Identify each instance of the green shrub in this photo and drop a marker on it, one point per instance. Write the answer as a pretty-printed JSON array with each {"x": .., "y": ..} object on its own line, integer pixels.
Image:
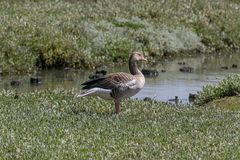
[
  {"x": 73, "y": 33},
  {"x": 229, "y": 86}
]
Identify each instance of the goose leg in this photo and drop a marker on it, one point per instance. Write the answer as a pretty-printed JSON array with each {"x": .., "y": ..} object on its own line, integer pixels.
[{"x": 117, "y": 106}]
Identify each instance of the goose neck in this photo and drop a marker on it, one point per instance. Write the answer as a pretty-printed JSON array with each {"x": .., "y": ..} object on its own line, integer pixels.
[{"x": 133, "y": 67}]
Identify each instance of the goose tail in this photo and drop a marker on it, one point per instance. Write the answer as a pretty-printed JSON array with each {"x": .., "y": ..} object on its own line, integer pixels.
[
  {"x": 86, "y": 93},
  {"x": 103, "y": 93}
]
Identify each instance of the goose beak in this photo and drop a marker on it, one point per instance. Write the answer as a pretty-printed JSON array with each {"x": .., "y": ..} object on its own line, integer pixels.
[{"x": 144, "y": 59}]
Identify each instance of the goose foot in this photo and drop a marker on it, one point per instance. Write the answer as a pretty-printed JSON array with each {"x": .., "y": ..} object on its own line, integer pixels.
[{"x": 117, "y": 106}]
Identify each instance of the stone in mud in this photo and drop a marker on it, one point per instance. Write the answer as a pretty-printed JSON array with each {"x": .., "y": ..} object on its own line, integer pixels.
[
  {"x": 186, "y": 69},
  {"x": 95, "y": 76},
  {"x": 98, "y": 74},
  {"x": 103, "y": 72},
  {"x": 150, "y": 73},
  {"x": 35, "y": 80},
  {"x": 181, "y": 63},
  {"x": 234, "y": 66},
  {"x": 175, "y": 100},
  {"x": 224, "y": 67},
  {"x": 163, "y": 70},
  {"x": 192, "y": 97},
  {"x": 15, "y": 83},
  {"x": 147, "y": 99}
]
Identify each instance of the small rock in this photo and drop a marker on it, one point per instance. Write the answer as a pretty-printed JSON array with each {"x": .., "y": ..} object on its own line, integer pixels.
[
  {"x": 163, "y": 70},
  {"x": 35, "y": 80},
  {"x": 98, "y": 74},
  {"x": 150, "y": 73},
  {"x": 147, "y": 99},
  {"x": 234, "y": 66},
  {"x": 192, "y": 97},
  {"x": 15, "y": 83},
  {"x": 95, "y": 76},
  {"x": 224, "y": 67},
  {"x": 103, "y": 72},
  {"x": 186, "y": 69},
  {"x": 175, "y": 100},
  {"x": 181, "y": 63}
]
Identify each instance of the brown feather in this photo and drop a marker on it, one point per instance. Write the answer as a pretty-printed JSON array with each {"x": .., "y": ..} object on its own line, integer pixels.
[{"x": 110, "y": 81}]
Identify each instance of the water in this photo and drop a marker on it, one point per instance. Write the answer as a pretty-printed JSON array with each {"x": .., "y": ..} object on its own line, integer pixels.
[{"x": 207, "y": 70}]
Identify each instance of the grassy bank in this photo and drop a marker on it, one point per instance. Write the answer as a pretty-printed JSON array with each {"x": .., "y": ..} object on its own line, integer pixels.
[
  {"x": 230, "y": 86},
  {"x": 54, "y": 125},
  {"x": 86, "y": 34}
]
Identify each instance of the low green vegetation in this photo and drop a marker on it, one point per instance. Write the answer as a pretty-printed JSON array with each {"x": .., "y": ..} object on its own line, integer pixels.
[
  {"x": 52, "y": 124},
  {"x": 229, "y": 103},
  {"x": 229, "y": 86},
  {"x": 86, "y": 34}
]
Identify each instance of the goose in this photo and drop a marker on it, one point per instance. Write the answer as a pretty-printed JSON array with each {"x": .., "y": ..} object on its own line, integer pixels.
[{"x": 117, "y": 86}]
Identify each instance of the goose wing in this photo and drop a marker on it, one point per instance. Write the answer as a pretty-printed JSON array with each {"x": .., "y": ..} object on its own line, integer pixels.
[{"x": 117, "y": 80}]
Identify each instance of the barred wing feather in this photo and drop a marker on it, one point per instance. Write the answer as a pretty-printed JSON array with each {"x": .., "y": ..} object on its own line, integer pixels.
[{"x": 111, "y": 81}]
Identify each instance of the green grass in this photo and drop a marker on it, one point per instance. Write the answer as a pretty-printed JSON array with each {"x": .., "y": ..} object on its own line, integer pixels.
[
  {"x": 86, "y": 34},
  {"x": 229, "y": 103},
  {"x": 230, "y": 86},
  {"x": 52, "y": 124}
]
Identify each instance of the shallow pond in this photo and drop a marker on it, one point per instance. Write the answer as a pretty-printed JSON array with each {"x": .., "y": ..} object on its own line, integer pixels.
[{"x": 206, "y": 70}]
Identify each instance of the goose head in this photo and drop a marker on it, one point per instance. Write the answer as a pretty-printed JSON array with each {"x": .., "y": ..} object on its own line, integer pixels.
[
  {"x": 134, "y": 58},
  {"x": 137, "y": 56}
]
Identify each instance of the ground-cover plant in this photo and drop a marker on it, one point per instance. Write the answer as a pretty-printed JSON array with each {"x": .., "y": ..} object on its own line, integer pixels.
[
  {"x": 229, "y": 103},
  {"x": 52, "y": 124},
  {"x": 229, "y": 86},
  {"x": 84, "y": 34}
]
